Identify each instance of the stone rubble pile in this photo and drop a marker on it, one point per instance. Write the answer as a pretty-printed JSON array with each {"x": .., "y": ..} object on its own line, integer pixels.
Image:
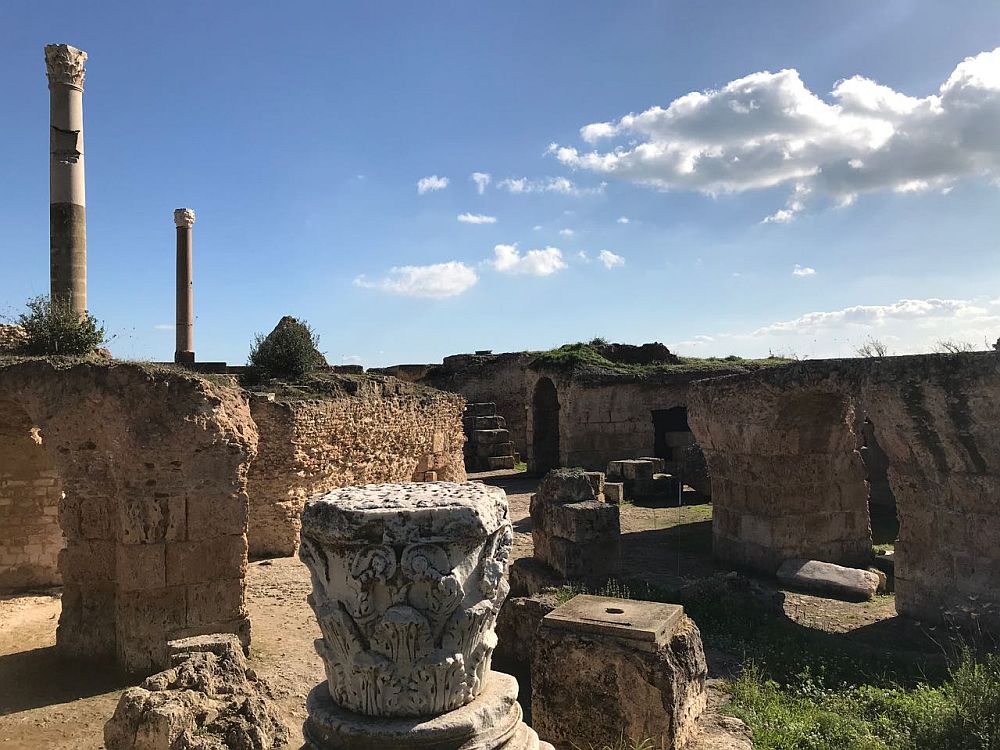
[
  {"x": 644, "y": 478},
  {"x": 209, "y": 700}
]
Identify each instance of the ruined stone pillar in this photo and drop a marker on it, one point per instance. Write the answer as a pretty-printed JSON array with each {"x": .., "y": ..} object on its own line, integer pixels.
[
  {"x": 184, "y": 352},
  {"x": 407, "y": 581},
  {"x": 67, "y": 195}
]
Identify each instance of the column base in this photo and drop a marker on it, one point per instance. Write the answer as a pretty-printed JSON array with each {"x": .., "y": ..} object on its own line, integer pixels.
[
  {"x": 491, "y": 722},
  {"x": 183, "y": 358}
]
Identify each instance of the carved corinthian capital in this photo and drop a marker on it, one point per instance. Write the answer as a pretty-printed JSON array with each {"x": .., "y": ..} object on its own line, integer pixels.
[
  {"x": 407, "y": 580},
  {"x": 65, "y": 64},
  {"x": 184, "y": 217}
]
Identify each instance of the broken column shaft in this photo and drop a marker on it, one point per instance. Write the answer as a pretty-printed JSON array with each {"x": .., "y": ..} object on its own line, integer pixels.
[
  {"x": 67, "y": 194},
  {"x": 184, "y": 352}
]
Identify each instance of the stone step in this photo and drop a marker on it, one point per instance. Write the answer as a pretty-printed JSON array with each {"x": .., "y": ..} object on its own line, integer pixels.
[
  {"x": 483, "y": 423},
  {"x": 482, "y": 409},
  {"x": 496, "y": 449},
  {"x": 489, "y": 437}
]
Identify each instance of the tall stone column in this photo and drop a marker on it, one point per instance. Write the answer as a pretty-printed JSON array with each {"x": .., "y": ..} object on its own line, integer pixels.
[
  {"x": 407, "y": 582},
  {"x": 67, "y": 194},
  {"x": 184, "y": 352}
]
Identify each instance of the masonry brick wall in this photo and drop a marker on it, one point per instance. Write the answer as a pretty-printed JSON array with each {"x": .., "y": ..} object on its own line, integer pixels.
[
  {"x": 30, "y": 536},
  {"x": 153, "y": 466},
  {"x": 384, "y": 430}
]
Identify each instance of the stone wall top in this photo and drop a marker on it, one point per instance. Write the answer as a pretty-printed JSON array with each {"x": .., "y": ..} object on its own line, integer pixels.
[{"x": 405, "y": 513}]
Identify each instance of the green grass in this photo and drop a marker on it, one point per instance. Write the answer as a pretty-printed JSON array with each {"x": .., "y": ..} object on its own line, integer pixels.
[
  {"x": 521, "y": 466},
  {"x": 962, "y": 713},
  {"x": 581, "y": 355}
]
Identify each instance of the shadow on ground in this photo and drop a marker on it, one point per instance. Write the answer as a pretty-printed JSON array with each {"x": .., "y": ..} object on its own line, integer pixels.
[{"x": 41, "y": 677}]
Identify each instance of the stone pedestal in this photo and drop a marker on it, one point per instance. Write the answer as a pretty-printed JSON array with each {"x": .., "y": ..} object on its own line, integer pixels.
[
  {"x": 408, "y": 580},
  {"x": 606, "y": 668},
  {"x": 574, "y": 532}
]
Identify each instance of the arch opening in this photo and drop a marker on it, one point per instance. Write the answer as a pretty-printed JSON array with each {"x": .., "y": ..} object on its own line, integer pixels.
[{"x": 545, "y": 427}]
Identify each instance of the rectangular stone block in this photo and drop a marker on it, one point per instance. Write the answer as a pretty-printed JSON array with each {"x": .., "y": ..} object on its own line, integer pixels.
[
  {"x": 483, "y": 409},
  {"x": 499, "y": 463},
  {"x": 659, "y": 464},
  {"x": 208, "y": 560},
  {"x": 490, "y": 437},
  {"x": 596, "y": 481},
  {"x": 614, "y": 492},
  {"x": 86, "y": 561},
  {"x": 141, "y": 566},
  {"x": 495, "y": 449},
  {"x": 211, "y": 517},
  {"x": 215, "y": 601},
  {"x": 589, "y": 521}
]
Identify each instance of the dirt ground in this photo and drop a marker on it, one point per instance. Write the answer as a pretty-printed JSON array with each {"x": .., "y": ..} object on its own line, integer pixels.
[{"x": 47, "y": 703}]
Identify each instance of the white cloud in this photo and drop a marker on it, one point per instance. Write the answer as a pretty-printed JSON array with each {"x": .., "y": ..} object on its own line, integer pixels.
[
  {"x": 909, "y": 325},
  {"x": 436, "y": 280},
  {"x": 623, "y": 220},
  {"x": 477, "y": 219},
  {"x": 537, "y": 227},
  {"x": 567, "y": 232},
  {"x": 610, "y": 259},
  {"x": 562, "y": 185},
  {"x": 482, "y": 180},
  {"x": 768, "y": 129},
  {"x": 508, "y": 259},
  {"x": 431, "y": 183},
  {"x": 582, "y": 255},
  {"x": 803, "y": 271},
  {"x": 165, "y": 326}
]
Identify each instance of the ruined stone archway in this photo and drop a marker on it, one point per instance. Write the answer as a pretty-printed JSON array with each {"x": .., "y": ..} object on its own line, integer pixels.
[
  {"x": 545, "y": 427},
  {"x": 30, "y": 490},
  {"x": 153, "y": 467}
]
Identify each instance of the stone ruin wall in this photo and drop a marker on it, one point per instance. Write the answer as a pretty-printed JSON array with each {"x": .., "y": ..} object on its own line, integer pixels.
[
  {"x": 153, "y": 465},
  {"x": 606, "y": 421},
  {"x": 787, "y": 481},
  {"x": 387, "y": 431},
  {"x": 781, "y": 446},
  {"x": 30, "y": 490}
]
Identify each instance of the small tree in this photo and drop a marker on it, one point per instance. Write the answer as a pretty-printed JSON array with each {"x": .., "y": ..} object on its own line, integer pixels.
[
  {"x": 872, "y": 348},
  {"x": 53, "y": 328},
  {"x": 288, "y": 352}
]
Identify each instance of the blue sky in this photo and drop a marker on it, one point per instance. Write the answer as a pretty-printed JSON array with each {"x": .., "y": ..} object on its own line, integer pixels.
[{"x": 299, "y": 132}]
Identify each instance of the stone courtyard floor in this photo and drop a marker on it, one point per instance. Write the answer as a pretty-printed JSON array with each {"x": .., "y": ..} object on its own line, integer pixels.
[{"x": 45, "y": 703}]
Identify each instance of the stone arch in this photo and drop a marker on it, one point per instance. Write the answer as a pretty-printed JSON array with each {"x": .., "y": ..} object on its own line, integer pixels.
[
  {"x": 545, "y": 407},
  {"x": 30, "y": 490},
  {"x": 153, "y": 466}
]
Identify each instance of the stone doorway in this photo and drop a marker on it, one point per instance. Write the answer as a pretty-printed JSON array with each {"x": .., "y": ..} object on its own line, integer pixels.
[
  {"x": 545, "y": 427},
  {"x": 670, "y": 431}
]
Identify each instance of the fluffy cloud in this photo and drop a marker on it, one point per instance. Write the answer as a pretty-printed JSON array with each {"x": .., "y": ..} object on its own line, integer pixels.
[
  {"x": 523, "y": 185},
  {"x": 567, "y": 232},
  {"x": 508, "y": 259},
  {"x": 477, "y": 219},
  {"x": 436, "y": 280},
  {"x": 768, "y": 129},
  {"x": 908, "y": 326},
  {"x": 623, "y": 220},
  {"x": 482, "y": 180},
  {"x": 803, "y": 271},
  {"x": 610, "y": 259},
  {"x": 431, "y": 183}
]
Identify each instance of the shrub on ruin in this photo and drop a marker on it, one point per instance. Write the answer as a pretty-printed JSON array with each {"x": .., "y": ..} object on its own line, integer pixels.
[
  {"x": 289, "y": 352},
  {"x": 53, "y": 328}
]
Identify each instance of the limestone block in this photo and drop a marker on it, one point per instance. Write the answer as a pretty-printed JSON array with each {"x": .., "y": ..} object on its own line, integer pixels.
[
  {"x": 603, "y": 668},
  {"x": 497, "y": 463},
  {"x": 828, "y": 579},
  {"x": 484, "y": 409},
  {"x": 659, "y": 464},
  {"x": 407, "y": 582},
  {"x": 597, "y": 482},
  {"x": 582, "y": 523},
  {"x": 614, "y": 492},
  {"x": 490, "y": 437}
]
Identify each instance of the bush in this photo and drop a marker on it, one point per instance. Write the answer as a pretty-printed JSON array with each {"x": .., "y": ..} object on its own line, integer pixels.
[
  {"x": 288, "y": 352},
  {"x": 52, "y": 328}
]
